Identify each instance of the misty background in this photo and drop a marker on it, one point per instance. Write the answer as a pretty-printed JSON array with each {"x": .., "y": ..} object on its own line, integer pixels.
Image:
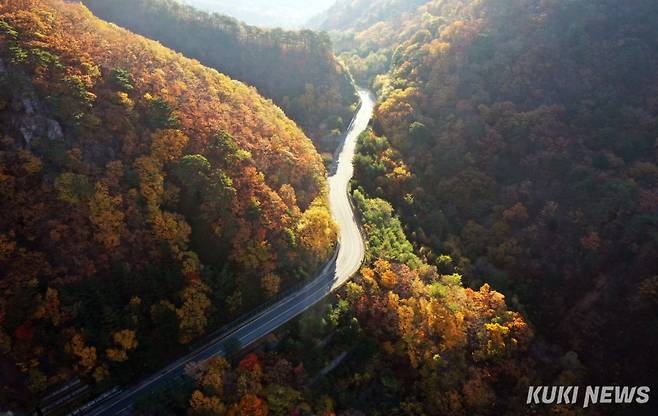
[{"x": 288, "y": 14}]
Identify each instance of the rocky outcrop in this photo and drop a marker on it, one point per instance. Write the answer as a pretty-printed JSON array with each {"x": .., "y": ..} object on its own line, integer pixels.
[{"x": 23, "y": 113}]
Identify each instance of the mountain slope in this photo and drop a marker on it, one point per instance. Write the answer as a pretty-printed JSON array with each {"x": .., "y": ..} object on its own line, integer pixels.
[
  {"x": 146, "y": 199},
  {"x": 520, "y": 140},
  {"x": 362, "y": 14},
  {"x": 296, "y": 69},
  {"x": 366, "y": 32}
]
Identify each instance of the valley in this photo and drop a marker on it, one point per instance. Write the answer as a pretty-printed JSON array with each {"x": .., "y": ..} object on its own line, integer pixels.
[{"x": 337, "y": 208}]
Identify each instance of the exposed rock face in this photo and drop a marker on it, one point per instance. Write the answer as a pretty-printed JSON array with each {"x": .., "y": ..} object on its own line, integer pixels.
[
  {"x": 54, "y": 130},
  {"x": 26, "y": 115}
]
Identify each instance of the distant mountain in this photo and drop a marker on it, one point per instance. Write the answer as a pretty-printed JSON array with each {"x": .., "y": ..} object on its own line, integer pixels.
[
  {"x": 287, "y": 14},
  {"x": 296, "y": 69},
  {"x": 356, "y": 15},
  {"x": 365, "y": 33},
  {"x": 145, "y": 199}
]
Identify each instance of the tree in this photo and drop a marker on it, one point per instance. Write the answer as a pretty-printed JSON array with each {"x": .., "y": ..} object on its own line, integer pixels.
[
  {"x": 121, "y": 79},
  {"x": 172, "y": 229},
  {"x": 105, "y": 213},
  {"x": 101, "y": 205},
  {"x": 50, "y": 307},
  {"x": 250, "y": 375},
  {"x": 193, "y": 172},
  {"x": 251, "y": 405},
  {"x": 287, "y": 193},
  {"x": 317, "y": 230},
  {"x": 86, "y": 355},
  {"x": 167, "y": 145},
  {"x": 281, "y": 400},
  {"x": 151, "y": 180},
  {"x": 72, "y": 188},
  {"x": 420, "y": 134},
  {"x": 223, "y": 150},
  {"x": 125, "y": 341},
  {"x": 192, "y": 314},
  {"x": 160, "y": 115},
  {"x": 270, "y": 284},
  {"x": 203, "y": 405}
]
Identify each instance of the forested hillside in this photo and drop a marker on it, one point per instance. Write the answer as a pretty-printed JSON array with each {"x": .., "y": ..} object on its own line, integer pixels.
[
  {"x": 507, "y": 191},
  {"x": 295, "y": 69},
  {"x": 519, "y": 138},
  {"x": 357, "y": 15},
  {"x": 145, "y": 200},
  {"x": 405, "y": 338},
  {"x": 419, "y": 342},
  {"x": 366, "y": 32}
]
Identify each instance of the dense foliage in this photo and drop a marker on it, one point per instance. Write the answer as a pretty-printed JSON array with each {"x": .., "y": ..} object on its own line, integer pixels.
[
  {"x": 295, "y": 69},
  {"x": 404, "y": 338},
  {"x": 420, "y": 343},
  {"x": 258, "y": 385},
  {"x": 519, "y": 137},
  {"x": 145, "y": 200}
]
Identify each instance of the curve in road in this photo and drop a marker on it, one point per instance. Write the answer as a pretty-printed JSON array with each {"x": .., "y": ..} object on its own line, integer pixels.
[
  {"x": 346, "y": 262},
  {"x": 351, "y": 246}
]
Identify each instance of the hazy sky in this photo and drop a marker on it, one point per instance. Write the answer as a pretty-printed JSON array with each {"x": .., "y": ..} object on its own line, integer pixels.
[{"x": 290, "y": 14}]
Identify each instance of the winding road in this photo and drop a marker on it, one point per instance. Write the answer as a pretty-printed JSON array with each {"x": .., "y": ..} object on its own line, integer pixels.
[{"x": 346, "y": 262}]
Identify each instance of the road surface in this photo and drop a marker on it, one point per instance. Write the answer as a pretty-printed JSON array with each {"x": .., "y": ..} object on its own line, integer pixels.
[{"x": 345, "y": 263}]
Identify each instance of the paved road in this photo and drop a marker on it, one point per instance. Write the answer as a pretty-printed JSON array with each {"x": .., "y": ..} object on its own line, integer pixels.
[{"x": 344, "y": 264}]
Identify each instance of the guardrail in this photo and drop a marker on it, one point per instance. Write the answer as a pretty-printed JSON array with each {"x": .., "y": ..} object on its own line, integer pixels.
[{"x": 89, "y": 405}]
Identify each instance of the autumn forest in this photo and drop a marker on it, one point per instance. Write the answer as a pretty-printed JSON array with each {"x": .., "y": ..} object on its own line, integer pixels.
[{"x": 171, "y": 240}]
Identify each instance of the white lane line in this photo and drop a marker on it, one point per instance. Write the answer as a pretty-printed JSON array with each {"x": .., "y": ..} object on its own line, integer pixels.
[{"x": 310, "y": 297}]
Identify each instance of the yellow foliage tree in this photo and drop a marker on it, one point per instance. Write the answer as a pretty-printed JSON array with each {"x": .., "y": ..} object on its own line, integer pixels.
[
  {"x": 126, "y": 341},
  {"x": 200, "y": 404},
  {"x": 317, "y": 231},
  {"x": 388, "y": 279},
  {"x": 168, "y": 144},
  {"x": 192, "y": 314},
  {"x": 101, "y": 373},
  {"x": 173, "y": 229},
  {"x": 151, "y": 181},
  {"x": 213, "y": 378},
  {"x": 106, "y": 215},
  {"x": 86, "y": 355}
]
